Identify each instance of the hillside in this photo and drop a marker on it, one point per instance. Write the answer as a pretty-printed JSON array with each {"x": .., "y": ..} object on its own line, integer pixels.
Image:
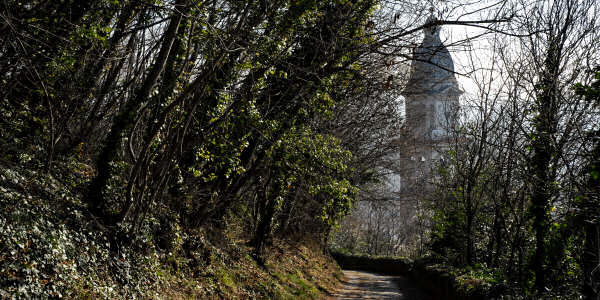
[
  {"x": 181, "y": 149},
  {"x": 51, "y": 246}
]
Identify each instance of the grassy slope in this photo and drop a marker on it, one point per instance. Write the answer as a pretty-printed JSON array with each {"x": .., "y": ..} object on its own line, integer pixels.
[{"x": 50, "y": 246}]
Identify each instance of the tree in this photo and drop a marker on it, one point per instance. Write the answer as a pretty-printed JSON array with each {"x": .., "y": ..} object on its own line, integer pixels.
[
  {"x": 588, "y": 203},
  {"x": 523, "y": 126}
]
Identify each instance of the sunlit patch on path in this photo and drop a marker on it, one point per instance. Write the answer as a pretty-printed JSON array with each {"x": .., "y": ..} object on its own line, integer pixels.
[{"x": 363, "y": 285}]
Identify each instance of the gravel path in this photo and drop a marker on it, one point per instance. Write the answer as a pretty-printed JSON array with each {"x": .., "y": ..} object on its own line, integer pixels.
[{"x": 363, "y": 285}]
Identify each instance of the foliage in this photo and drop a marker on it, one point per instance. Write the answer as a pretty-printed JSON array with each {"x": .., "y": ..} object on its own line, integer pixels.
[
  {"x": 142, "y": 127},
  {"x": 519, "y": 183},
  {"x": 51, "y": 247}
]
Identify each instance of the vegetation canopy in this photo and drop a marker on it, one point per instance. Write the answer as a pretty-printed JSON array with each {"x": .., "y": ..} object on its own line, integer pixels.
[{"x": 186, "y": 148}]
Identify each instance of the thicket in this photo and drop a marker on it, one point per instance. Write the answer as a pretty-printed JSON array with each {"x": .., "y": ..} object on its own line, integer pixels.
[
  {"x": 517, "y": 200},
  {"x": 157, "y": 124}
]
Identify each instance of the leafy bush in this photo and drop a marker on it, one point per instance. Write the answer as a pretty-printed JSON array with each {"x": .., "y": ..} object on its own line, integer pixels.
[{"x": 51, "y": 247}]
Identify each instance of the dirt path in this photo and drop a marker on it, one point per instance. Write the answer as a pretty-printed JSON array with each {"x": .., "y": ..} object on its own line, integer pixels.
[{"x": 363, "y": 285}]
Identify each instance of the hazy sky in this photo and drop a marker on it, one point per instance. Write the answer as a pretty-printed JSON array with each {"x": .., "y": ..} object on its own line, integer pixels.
[{"x": 469, "y": 46}]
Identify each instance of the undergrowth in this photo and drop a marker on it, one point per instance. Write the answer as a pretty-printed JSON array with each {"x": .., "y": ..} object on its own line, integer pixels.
[{"x": 52, "y": 247}]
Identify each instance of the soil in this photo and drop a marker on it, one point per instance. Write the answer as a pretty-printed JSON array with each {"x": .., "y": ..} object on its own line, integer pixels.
[{"x": 363, "y": 285}]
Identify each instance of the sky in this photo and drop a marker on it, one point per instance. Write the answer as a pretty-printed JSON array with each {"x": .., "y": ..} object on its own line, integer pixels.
[{"x": 469, "y": 46}]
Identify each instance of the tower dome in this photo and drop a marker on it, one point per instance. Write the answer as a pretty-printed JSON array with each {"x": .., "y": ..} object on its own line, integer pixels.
[{"x": 432, "y": 69}]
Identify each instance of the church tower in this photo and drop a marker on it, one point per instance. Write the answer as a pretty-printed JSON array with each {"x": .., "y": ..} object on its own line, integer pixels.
[{"x": 431, "y": 102}]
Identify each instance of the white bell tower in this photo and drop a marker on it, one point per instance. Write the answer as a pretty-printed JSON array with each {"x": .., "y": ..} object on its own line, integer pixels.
[{"x": 431, "y": 102}]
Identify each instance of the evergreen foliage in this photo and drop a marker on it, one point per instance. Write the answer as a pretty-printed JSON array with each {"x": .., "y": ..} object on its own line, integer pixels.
[{"x": 186, "y": 116}]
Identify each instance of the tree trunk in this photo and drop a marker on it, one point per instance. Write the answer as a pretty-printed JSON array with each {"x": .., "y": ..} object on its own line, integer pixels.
[{"x": 124, "y": 120}]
